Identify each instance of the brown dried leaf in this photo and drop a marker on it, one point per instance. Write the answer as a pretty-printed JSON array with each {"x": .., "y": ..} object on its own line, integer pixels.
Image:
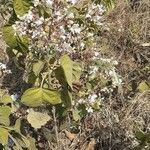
[{"x": 69, "y": 135}]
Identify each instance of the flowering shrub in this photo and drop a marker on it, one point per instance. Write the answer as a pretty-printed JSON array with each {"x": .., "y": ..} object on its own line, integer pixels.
[{"x": 59, "y": 41}]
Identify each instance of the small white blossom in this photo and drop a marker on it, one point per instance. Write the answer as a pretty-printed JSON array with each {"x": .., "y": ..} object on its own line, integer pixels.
[
  {"x": 81, "y": 101},
  {"x": 88, "y": 15},
  {"x": 2, "y": 66},
  {"x": 92, "y": 98},
  {"x": 72, "y": 1},
  {"x": 75, "y": 29},
  {"x": 49, "y": 2},
  {"x": 71, "y": 15},
  {"x": 14, "y": 97},
  {"x": 89, "y": 110},
  {"x": 39, "y": 21},
  {"x": 93, "y": 69},
  {"x": 36, "y": 2},
  {"x": 90, "y": 34}
]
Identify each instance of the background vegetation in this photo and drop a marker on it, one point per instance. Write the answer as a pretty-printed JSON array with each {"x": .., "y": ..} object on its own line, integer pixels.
[{"x": 91, "y": 94}]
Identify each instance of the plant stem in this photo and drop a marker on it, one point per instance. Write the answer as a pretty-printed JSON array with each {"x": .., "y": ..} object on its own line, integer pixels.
[{"x": 55, "y": 124}]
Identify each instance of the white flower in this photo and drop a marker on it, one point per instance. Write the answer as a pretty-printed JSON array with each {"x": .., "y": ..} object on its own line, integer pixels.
[
  {"x": 72, "y": 1},
  {"x": 92, "y": 98},
  {"x": 81, "y": 101},
  {"x": 96, "y": 54},
  {"x": 36, "y": 2},
  {"x": 116, "y": 81},
  {"x": 82, "y": 45},
  {"x": 93, "y": 70},
  {"x": 75, "y": 29},
  {"x": 88, "y": 15},
  {"x": 90, "y": 34},
  {"x": 115, "y": 62},
  {"x": 2, "y": 66},
  {"x": 49, "y": 2},
  {"x": 39, "y": 21},
  {"x": 89, "y": 110},
  {"x": 14, "y": 97},
  {"x": 71, "y": 15},
  {"x": 63, "y": 37}
]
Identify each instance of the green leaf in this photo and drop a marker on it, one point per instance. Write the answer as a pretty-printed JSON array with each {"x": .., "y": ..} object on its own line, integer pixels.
[
  {"x": 17, "y": 126},
  {"x": 21, "y": 141},
  {"x": 37, "y": 67},
  {"x": 4, "y": 115},
  {"x": 4, "y": 136},
  {"x": 75, "y": 114},
  {"x": 10, "y": 36},
  {"x": 34, "y": 97},
  {"x": 109, "y": 4},
  {"x": 23, "y": 43},
  {"x": 32, "y": 143},
  {"x": 96, "y": 105},
  {"x": 76, "y": 71},
  {"x": 52, "y": 97},
  {"x": 4, "y": 97},
  {"x": 21, "y": 7},
  {"x": 67, "y": 66},
  {"x": 144, "y": 86},
  {"x": 37, "y": 119},
  {"x": 66, "y": 97},
  {"x": 13, "y": 40}
]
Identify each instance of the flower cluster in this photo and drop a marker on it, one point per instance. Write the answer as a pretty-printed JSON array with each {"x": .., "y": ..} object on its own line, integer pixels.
[
  {"x": 71, "y": 27},
  {"x": 67, "y": 29},
  {"x": 4, "y": 69}
]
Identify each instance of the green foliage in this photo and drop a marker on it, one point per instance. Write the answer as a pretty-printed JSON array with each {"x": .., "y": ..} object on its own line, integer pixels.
[
  {"x": 144, "y": 139},
  {"x": 55, "y": 77},
  {"x": 144, "y": 86},
  {"x": 3, "y": 136},
  {"x": 21, "y": 7},
  {"x": 9, "y": 36},
  {"x": 37, "y": 119},
  {"x": 37, "y": 67},
  {"x": 67, "y": 66},
  {"x": 35, "y": 97},
  {"x": 13, "y": 40},
  {"x": 4, "y": 115}
]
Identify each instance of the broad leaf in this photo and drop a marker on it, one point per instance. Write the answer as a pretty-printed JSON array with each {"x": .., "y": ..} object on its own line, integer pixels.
[
  {"x": 34, "y": 97},
  {"x": 32, "y": 143},
  {"x": 3, "y": 136},
  {"x": 4, "y": 115},
  {"x": 37, "y": 67},
  {"x": 67, "y": 66},
  {"x": 4, "y": 97},
  {"x": 52, "y": 97},
  {"x": 37, "y": 119},
  {"x": 76, "y": 71},
  {"x": 75, "y": 114},
  {"x": 143, "y": 86},
  {"x": 66, "y": 97},
  {"x": 21, "y": 7},
  {"x": 21, "y": 141},
  {"x": 10, "y": 36},
  {"x": 13, "y": 40},
  {"x": 17, "y": 126}
]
